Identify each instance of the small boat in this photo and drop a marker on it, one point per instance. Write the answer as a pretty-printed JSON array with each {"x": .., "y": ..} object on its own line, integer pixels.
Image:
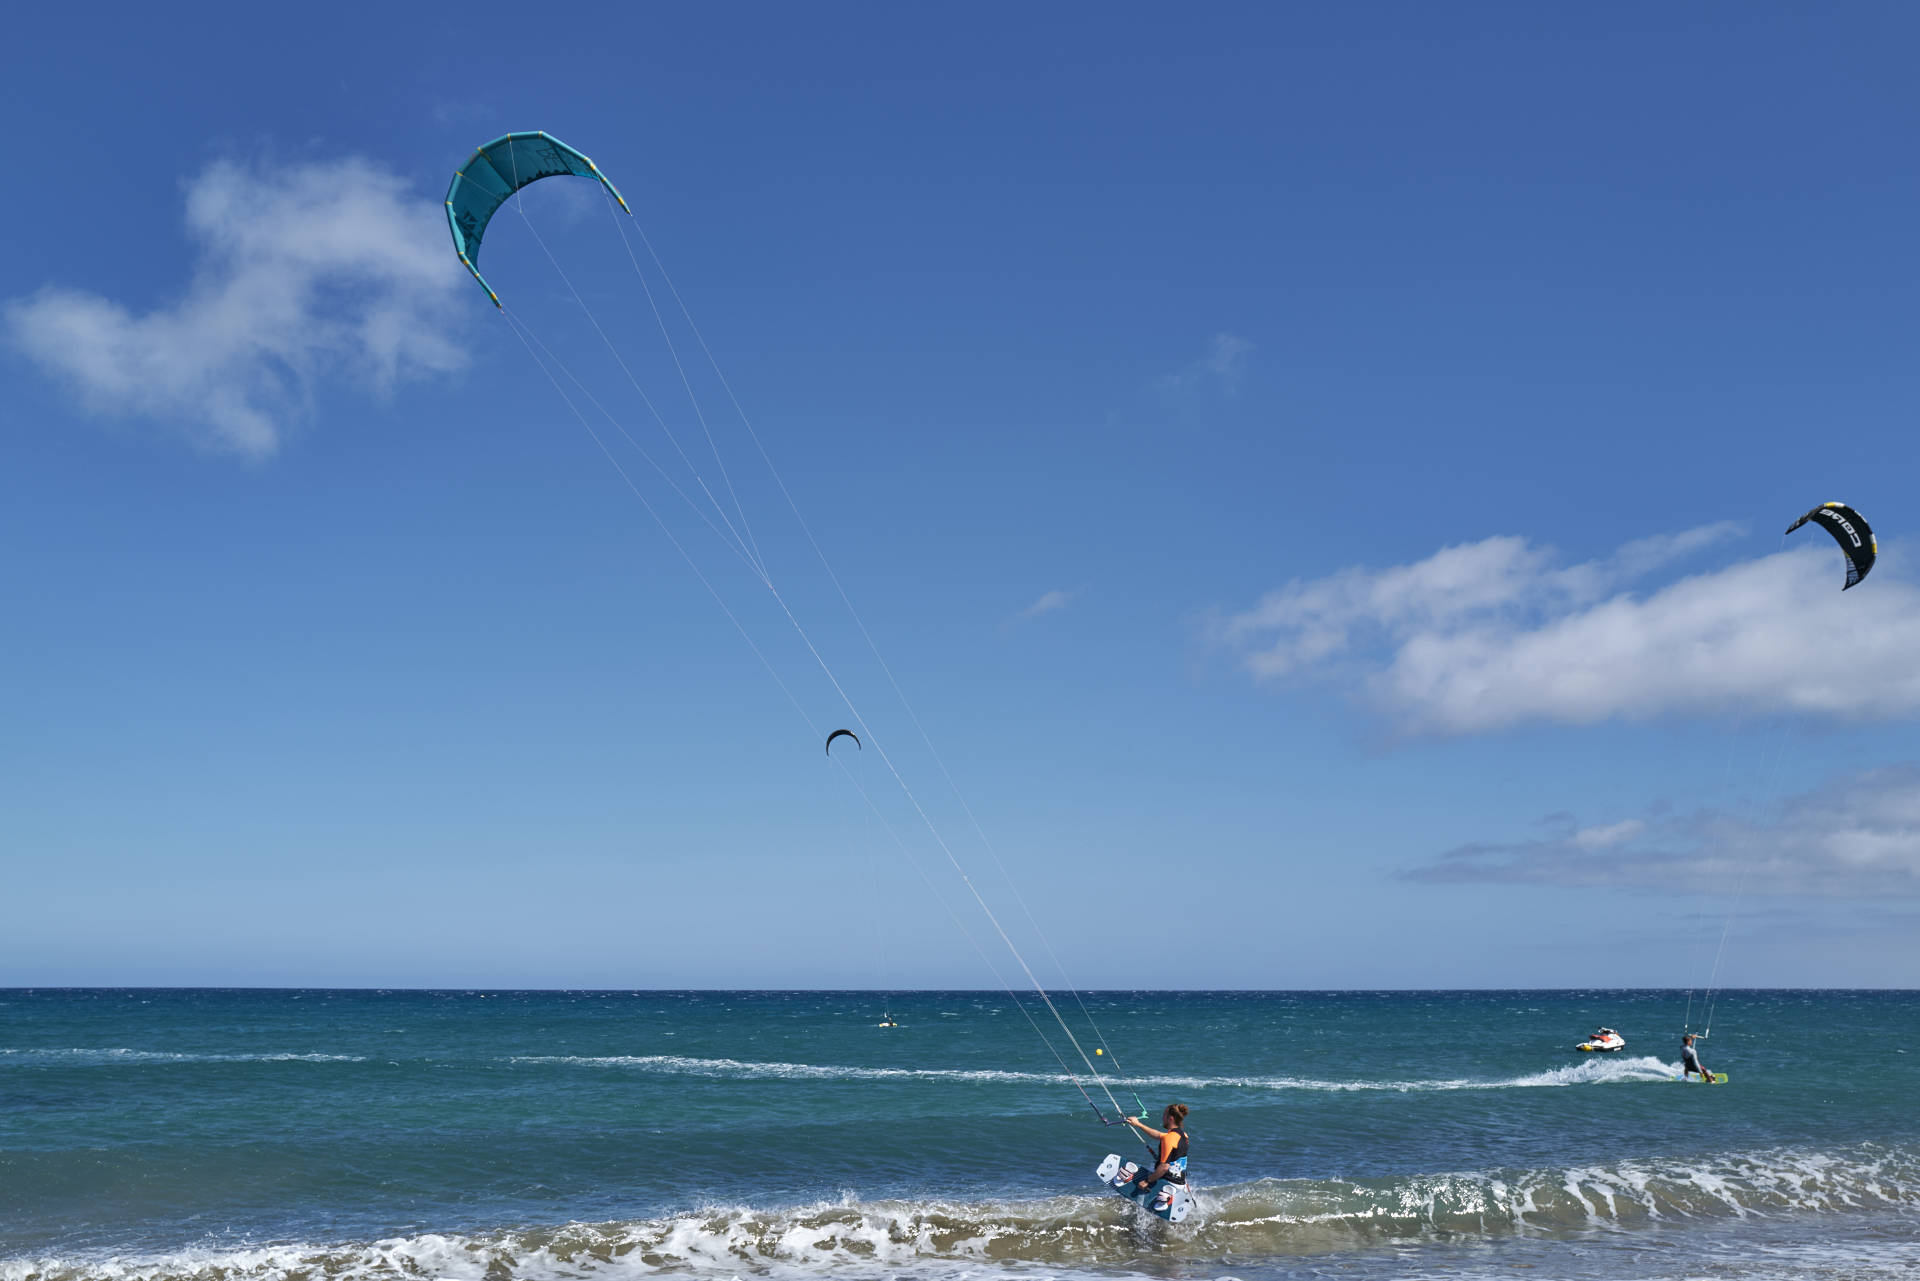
[{"x": 1605, "y": 1041}]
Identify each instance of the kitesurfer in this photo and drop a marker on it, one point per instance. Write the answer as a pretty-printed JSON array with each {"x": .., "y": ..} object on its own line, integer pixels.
[
  {"x": 1170, "y": 1156},
  {"x": 1690, "y": 1061}
]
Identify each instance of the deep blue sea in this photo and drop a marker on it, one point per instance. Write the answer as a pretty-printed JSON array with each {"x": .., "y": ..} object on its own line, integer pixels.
[{"x": 239, "y": 1134}]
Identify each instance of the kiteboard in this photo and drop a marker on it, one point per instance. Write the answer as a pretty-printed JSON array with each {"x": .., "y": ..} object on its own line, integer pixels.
[
  {"x": 1171, "y": 1201},
  {"x": 1719, "y": 1078}
]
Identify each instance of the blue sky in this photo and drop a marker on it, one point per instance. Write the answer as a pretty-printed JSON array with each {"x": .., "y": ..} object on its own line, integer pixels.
[{"x": 1239, "y": 430}]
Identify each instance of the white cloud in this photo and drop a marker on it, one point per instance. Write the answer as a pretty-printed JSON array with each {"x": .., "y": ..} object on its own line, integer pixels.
[
  {"x": 1227, "y": 355},
  {"x": 1221, "y": 367},
  {"x": 1600, "y": 838},
  {"x": 1048, "y": 602},
  {"x": 302, "y": 272},
  {"x": 1489, "y": 635},
  {"x": 1857, "y": 837}
]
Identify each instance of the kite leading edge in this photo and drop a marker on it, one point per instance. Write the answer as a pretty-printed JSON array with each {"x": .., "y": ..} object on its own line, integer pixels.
[{"x": 494, "y": 173}]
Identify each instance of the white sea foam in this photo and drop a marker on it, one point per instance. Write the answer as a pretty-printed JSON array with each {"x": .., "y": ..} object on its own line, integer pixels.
[
  {"x": 1073, "y": 1235},
  {"x": 1588, "y": 1072},
  {"x": 1602, "y": 1071},
  {"x": 77, "y": 1056}
]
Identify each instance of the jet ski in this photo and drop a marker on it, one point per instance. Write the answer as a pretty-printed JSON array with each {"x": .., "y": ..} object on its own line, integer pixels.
[{"x": 1605, "y": 1041}]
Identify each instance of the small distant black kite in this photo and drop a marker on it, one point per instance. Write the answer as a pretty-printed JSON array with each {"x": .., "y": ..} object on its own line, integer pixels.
[{"x": 849, "y": 733}]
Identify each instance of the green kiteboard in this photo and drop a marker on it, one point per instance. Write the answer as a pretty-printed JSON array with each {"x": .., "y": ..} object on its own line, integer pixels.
[{"x": 1719, "y": 1078}]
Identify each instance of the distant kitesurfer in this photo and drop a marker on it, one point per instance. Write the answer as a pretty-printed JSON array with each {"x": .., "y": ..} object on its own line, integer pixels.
[
  {"x": 1170, "y": 1160},
  {"x": 1690, "y": 1061}
]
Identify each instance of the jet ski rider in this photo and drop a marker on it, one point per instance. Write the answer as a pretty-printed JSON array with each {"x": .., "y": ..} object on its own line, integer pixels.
[
  {"x": 1170, "y": 1154},
  {"x": 1690, "y": 1061}
]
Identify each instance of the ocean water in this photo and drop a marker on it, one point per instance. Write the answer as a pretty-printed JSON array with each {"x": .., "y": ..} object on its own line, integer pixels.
[{"x": 228, "y": 1135}]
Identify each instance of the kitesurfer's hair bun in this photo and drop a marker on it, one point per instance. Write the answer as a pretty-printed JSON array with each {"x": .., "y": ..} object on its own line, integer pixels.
[{"x": 1179, "y": 1113}]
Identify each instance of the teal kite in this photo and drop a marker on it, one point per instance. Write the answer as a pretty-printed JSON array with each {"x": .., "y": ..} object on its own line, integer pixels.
[{"x": 495, "y": 172}]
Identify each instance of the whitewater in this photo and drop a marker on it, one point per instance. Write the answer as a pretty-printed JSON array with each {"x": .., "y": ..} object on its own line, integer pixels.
[{"x": 234, "y": 1135}]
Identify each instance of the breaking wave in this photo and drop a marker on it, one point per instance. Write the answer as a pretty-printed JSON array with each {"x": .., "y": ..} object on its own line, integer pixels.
[
  {"x": 1587, "y": 1072},
  {"x": 1265, "y": 1217},
  {"x": 86, "y": 1057}
]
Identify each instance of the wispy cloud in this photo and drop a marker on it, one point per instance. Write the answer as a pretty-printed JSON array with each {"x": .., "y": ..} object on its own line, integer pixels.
[
  {"x": 302, "y": 272},
  {"x": 1051, "y": 601},
  {"x": 1857, "y": 837},
  {"x": 1048, "y": 602},
  {"x": 1484, "y": 636},
  {"x": 1220, "y": 368}
]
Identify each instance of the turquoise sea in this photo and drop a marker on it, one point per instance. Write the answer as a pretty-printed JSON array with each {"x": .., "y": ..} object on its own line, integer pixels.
[{"x": 233, "y": 1134}]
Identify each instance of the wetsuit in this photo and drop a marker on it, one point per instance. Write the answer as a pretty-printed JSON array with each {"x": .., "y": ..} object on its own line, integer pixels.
[{"x": 1690, "y": 1063}]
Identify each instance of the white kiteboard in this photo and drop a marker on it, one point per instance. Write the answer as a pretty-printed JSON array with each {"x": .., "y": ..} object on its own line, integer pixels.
[{"x": 1171, "y": 1201}]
